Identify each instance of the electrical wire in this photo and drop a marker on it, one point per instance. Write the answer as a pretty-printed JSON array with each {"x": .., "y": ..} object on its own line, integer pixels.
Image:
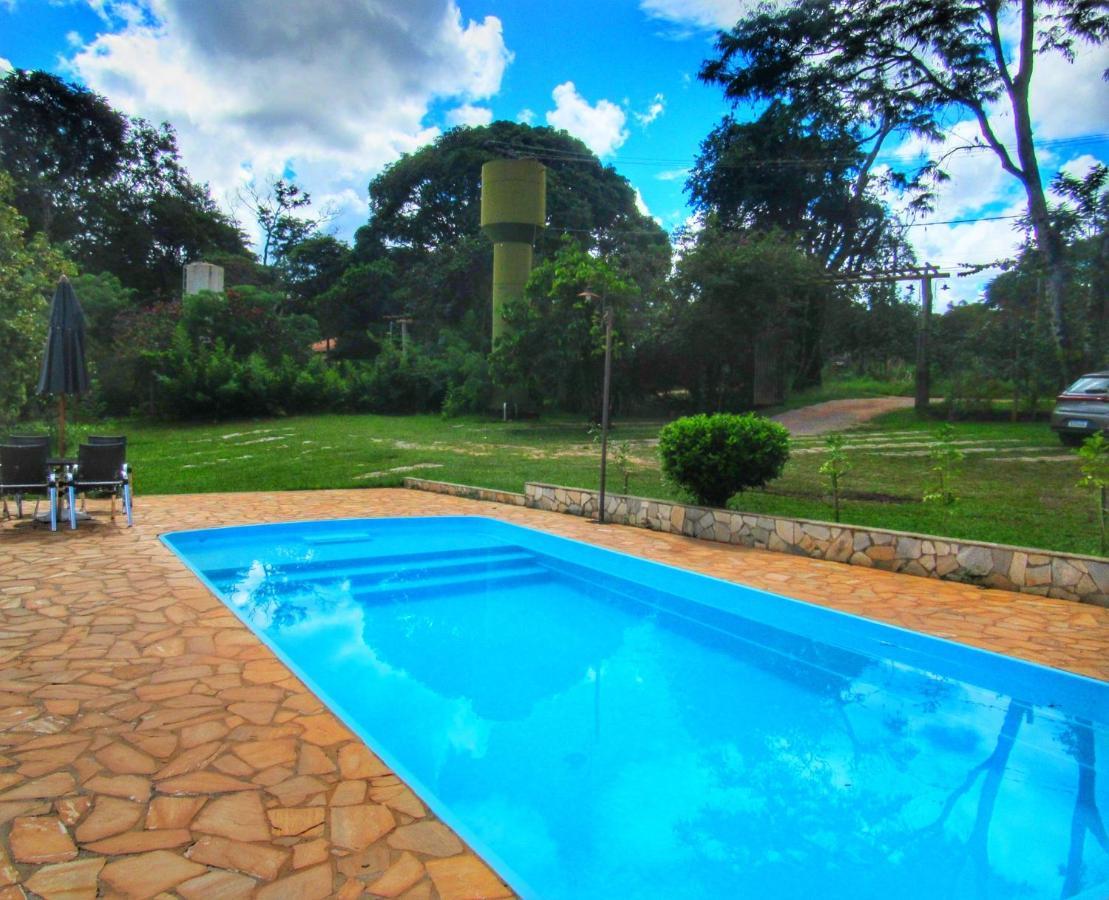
[{"x": 556, "y": 154}]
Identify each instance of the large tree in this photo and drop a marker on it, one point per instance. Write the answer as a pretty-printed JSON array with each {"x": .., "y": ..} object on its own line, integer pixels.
[
  {"x": 744, "y": 310},
  {"x": 810, "y": 176},
  {"x": 899, "y": 66},
  {"x": 425, "y": 218},
  {"x": 109, "y": 189}
]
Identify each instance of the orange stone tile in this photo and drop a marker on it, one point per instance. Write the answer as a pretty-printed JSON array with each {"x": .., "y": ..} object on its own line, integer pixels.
[
  {"x": 296, "y": 821},
  {"x": 431, "y": 838},
  {"x": 399, "y": 877},
  {"x": 149, "y": 874},
  {"x": 466, "y": 878},
  {"x": 68, "y": 881},
  {"x": 261, "y": 860},
  {"x": 356, "y": 827},
  {"x": 240, "y": 816},
  {"x": 109, "y": 816},
  {"x": 310, "y": 884},
  {"x": 40, "y": 839},
  {"x": 218, "y": 885},
  {"x": 141, "y": 842},
  {"x": 173, "y": 812}
]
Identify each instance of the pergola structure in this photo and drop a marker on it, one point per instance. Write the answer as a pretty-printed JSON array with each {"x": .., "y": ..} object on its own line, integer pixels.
[{"x": 925, "y": 274}]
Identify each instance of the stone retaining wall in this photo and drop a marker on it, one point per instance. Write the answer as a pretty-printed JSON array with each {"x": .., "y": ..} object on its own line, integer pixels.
[
  {"x": 1067, "y": 576},
  {"x": 464, "y": 490}
]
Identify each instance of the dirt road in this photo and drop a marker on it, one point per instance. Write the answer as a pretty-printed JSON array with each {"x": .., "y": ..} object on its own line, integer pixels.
[{"x": 835, "y": 415}]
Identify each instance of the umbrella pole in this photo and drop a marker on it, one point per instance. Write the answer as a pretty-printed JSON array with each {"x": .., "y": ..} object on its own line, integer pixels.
[{"x": 61, "y": 425}]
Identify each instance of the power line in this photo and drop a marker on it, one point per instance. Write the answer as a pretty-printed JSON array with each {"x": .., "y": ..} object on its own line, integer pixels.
[
  {"x": 556, "y": 154},
  {"x": 567, "y": 230}
]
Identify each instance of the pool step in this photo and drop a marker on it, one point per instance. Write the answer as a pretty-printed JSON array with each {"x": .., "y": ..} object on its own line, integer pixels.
[
  {"x": 509, "y": 575},
  {"x": 353, "y": 567}
]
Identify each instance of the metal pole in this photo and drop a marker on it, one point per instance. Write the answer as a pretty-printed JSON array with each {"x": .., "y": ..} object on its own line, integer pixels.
[
  {"x": 923, "y": 361},
  {"x": 604, "y": 410}
]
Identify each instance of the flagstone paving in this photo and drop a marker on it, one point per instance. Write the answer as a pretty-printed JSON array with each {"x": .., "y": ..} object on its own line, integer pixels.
[{"x": 152, "y": 746}]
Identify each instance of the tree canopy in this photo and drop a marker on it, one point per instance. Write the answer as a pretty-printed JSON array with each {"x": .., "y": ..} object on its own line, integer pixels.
[
  {"x": 425, "y": 217},
  {"x": 109, "y": 189},
  {"x": 897, "y": 67}
]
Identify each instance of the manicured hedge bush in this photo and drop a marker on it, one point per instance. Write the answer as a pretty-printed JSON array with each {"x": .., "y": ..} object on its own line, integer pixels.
[{"x": 715, "y": 457}]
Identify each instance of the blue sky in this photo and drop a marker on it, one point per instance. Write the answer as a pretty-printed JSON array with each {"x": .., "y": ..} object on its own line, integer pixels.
[{"x": 336, "y": 90}]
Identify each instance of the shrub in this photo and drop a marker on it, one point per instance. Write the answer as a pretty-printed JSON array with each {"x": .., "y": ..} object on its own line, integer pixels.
[{"x": 714, "y": 457}]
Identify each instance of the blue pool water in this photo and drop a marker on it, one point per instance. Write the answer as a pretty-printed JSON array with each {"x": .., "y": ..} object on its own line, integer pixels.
[{"x": 598, "y": 725}]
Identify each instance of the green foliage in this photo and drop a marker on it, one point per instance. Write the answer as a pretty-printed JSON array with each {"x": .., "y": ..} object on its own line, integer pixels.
[
  {"x": 553, "y": 354},
  {"x": 714, "y": 457},
  {"x": 945, "y": 458},
  {"x": 896, "y": 69},
  {"x": 397, "y": 382},
  {"x": 835, "y": 466},
  {"x": 1094, "y": 456},
  {"x": 248, "y": 320},
  {"x": 425, "y": 224},
  {"x": 825, "y": 194},
  {"x": 620, "y": 456},
  {"x": 742, "y": 296},
  {"x": 622, "y": 462},
  {"x": 274, "y": 208},
  {"x": 111, "y": 188},
  {"x": 468, "y": 383},
  {"x": 29, "y": 269}
]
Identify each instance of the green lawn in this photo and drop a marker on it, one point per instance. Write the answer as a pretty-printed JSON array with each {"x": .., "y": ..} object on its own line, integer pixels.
[{"x": 1016, "y": 485}]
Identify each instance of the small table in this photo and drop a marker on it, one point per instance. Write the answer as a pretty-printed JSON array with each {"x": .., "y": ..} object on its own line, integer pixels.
[{"x": 60, "y": 464}]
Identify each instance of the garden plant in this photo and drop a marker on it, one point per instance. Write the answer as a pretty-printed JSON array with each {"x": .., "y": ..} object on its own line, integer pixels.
[{"x": 714, "y": 457}]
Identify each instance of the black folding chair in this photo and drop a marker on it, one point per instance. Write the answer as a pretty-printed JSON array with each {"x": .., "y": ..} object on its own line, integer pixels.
[
  {"x": 102, "y": 469},
  {"x": 23, "y": 470},
  {"x": 26, "y": 440}
]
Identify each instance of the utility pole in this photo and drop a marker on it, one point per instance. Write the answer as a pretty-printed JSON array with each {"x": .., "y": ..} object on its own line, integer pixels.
[
  {"x": 404, "y": 322},
  {"x": 926, "y": 274},
  {"x": 607, "y": 316}
]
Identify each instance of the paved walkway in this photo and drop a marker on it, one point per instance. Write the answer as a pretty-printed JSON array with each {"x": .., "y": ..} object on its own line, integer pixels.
[
  {"x": 150, "y": 745},
  {"x": 836, "y": 415}
]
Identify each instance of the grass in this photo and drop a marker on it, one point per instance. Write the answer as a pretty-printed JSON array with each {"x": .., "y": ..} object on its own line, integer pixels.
[{"x": 1016, "y": 485}]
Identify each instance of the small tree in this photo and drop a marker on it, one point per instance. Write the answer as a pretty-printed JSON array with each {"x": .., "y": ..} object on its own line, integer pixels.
[
  {"x": 945, "y": 458},
  {"x": 835, "y": 467},
  {"x": 714, "y": 457},
  {"x": 1094, "y": 456}
]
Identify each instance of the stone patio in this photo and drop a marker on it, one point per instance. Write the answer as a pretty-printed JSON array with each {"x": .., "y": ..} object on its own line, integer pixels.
[{"x": 150, "y": 745}]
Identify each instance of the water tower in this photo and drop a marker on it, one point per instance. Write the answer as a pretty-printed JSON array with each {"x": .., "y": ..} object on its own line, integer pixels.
[{"x": 513, "y": 210}]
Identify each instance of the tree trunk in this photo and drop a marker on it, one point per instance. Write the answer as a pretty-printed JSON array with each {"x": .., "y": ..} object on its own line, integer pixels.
[{"x": 1048, "y": 239}]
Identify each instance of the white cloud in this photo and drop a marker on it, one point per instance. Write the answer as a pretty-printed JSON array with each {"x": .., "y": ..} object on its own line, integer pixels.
[
  {"x": 332, "y": 91},
  {"x": 655, "y": 109},
  {"x": 672, "y": 175},
  {"x": 1080, "y": 166},
  {"x": 468, "y": 114},
  {"x": 601, "y": 127},
  {"x": 6, "y": 66},
  {"x": 702, "y": 14},
  {"x": 526, "y": 116}
]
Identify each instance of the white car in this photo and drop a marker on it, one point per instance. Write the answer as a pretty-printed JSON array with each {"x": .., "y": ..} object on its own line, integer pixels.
[{"x": 1082, "y": 409}]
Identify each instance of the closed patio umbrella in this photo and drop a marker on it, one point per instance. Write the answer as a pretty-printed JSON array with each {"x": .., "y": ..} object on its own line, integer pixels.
[{"x": 63, "y": 363}]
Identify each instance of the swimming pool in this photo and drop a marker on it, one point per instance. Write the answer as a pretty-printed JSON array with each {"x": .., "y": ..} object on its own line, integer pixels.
[{"x": 600, "y": 725}]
